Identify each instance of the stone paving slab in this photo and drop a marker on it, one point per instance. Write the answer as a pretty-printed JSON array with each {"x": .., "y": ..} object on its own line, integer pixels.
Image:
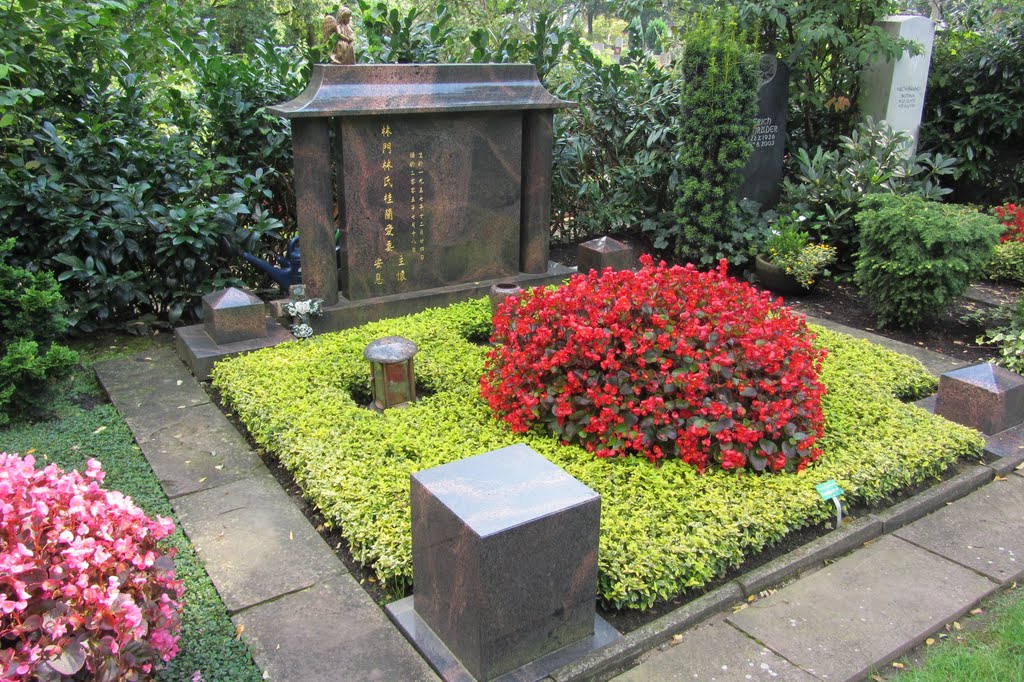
[
  {"x": 863, "y": 611},
  {"x": 255, "y": 543},
  {"x": 1008, "y": 447},
  {"x": 984, "y": 531},
  {"x": 353, "y": 638},
  {"x": 716, "y": 652},
  {"x": 154, "y": 381},
  {"x": 198, "y": 449}
]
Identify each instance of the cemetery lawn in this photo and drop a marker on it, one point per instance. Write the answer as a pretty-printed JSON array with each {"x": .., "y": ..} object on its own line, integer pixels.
[
  {"x": 665, "y": 530},
  {"x": 84, "y": 425},
  {"x": 987, "y": 648}
]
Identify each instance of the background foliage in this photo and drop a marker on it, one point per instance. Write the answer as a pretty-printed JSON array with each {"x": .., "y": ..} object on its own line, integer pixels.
[{"x": 974, "y": 108}]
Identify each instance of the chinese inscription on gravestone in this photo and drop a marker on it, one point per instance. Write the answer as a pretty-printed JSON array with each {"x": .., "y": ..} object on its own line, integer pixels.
[
  {"x": 894, "y": 91},
  {"x": 762, "y": 176}
]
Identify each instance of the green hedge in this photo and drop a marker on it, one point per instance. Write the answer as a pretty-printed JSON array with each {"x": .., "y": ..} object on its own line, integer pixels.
[{"x": 664, "y": 530}]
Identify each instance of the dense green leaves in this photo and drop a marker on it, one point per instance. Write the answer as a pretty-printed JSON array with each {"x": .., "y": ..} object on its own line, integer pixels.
[
  {"x": 917, "y": 256},
  {"x": 975, "y": 106},
  {"x": 664, "y": 530},
  {"x": 135, "y": 146}
]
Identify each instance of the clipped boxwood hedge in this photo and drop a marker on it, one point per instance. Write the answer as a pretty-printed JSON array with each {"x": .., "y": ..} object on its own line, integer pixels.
[{"x": 664, "y": 530}]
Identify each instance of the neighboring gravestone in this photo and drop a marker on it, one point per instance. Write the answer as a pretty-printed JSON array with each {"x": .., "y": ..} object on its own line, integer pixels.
[
  {"x": 505, "y": 567},
  {"x": 985, "y": 397},
  {"x": 762, "y": 176},
  {"x": 894, "y": 91},
  {"x": 601, "y": 253}
]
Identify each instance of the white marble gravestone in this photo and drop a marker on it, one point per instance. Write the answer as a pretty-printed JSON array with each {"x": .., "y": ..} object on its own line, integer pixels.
[{"x": 894, "y": 90}]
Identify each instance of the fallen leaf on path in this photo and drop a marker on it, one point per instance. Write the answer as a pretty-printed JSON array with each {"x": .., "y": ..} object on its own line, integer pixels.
[
  {"x": 956, "y": 626},
  {"x": 99, "y": 430},
  {"x": 977, "y": 612},
  {"x": 898, "y": 665},
  {"x": 739, "y": 607},
  {"x": 238, "y": 631},
  {"x": 929, "y": 641}
]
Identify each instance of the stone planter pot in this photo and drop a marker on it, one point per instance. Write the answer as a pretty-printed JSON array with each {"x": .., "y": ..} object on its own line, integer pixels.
[
  {"x": 775, "y": 278},
  {"x": 501, "y": 291}
]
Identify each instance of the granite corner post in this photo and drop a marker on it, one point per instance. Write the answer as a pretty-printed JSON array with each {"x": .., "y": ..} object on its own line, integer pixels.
[
  {"x": 315, "y": 207},
  {"x": 538, "y": 141}
]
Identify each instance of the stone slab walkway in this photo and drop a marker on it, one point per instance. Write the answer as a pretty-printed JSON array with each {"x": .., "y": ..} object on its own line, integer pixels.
[{"x": 305, "y": 617}]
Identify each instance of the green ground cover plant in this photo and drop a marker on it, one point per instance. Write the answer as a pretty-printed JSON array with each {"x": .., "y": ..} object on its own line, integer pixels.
[
  {"x": 990, "y": 653},
  {"x": 209, "y": 649},
  {"x": 665, "y": 529}
]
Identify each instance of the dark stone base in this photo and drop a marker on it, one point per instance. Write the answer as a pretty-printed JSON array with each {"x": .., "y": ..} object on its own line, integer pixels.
[
  {"x": 451, "y": 670},
  {"x": 199, "y": 351},
  {"x": 348, "y": 313}
]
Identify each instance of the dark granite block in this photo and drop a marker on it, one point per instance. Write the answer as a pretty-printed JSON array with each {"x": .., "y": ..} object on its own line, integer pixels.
[
  {"x": 985, "y": 397},
  {"x": 605, "y": 252},
  {"x": 504, "y": 558},
  {"x": 231, "y": 315}
]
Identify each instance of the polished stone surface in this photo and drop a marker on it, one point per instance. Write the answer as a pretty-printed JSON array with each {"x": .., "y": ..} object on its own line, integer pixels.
[
  {"x": 427, "y": 643},
  {"x": 985, "y": 397},
  {"x": 504, "y": 557},
  {"x": 437, "y": 200},
  {"x": 199, "y": 352},
  {"x": 234, "y": 314},
  {"x": 762, "y": 176},
  {"x": 603, "y": 252}
]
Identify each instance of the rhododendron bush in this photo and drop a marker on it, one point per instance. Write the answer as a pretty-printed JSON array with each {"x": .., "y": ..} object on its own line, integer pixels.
[
  {"x": 85, "y": 591},
  {"x": 664, "y": 362}
]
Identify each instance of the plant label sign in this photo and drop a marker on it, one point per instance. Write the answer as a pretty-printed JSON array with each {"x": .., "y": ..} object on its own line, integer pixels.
[{"x": 828, "y": 490}]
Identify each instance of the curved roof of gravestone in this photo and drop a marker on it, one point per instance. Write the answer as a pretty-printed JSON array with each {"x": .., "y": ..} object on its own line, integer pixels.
[{"x": 382, "y": 89}]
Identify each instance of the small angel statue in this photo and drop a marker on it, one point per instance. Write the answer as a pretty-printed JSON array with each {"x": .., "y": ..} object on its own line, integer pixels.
[{"x": 344, "y": 50}]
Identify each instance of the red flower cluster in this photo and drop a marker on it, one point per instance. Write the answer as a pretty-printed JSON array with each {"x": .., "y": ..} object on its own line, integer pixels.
[
  {"x": 84, "y": 590},
  {"x": 663, "y": 362},
  {"x": 1012, "y": 216}
]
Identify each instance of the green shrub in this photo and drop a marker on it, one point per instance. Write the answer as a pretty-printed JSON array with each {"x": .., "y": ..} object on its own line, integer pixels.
[
  {"x": 827, "y": 45},
  {"x": 975, "y": 105},
  {"x": 1007, "y": 262},
  {"x": 134, "y": 145},
  {"x": 719, "y": 95},
  {"x": 917, "y": 256},
  {"x": 652, "y": 149},
  {"x": 664, "y": 530},
  {"x": 31, "y": 317},
  {"x": 871, "y": 160},
  {"x": 1008, "y": 333}
]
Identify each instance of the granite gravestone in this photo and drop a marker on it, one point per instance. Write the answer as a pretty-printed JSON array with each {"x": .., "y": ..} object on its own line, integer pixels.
[
  {"x": 762, "y": 176},
  {"x": 505, "y": 567},
  {"x": 416, "y": 186},
  {"x": 894, "y": 91},
  {"x": 443, "y": 178}
]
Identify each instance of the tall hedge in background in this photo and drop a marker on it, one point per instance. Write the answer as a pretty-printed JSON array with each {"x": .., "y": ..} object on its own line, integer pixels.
[
  {"x": 720, "y": 101},
  {"x": 974, "y": 109},
  {"x": 655, "y": 149},
  {"x": 133, "y": 145}
]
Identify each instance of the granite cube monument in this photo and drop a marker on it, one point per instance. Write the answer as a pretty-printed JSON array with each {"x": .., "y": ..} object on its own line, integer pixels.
[
  {"x": 505, "y": 566},
  {"x": 603, "y": 252},
  {"x": 986, "y": 397}
]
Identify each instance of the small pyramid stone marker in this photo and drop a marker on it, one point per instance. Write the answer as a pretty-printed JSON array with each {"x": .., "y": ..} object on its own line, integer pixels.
[
  {"x": 601, "y": 253},
  {"x": 985, "y": 397},
  {"x": 233, "y": 314}
]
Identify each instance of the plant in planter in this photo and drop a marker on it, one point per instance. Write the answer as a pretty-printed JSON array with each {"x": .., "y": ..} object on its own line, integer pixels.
[{"x": 790, "y": 262}]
